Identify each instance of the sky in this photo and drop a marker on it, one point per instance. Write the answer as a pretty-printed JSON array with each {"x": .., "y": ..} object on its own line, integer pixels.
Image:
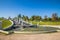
[{"x": 29, "y": 7}]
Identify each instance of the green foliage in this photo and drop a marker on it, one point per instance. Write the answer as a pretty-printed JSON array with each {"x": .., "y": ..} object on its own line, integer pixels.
[
  {"x": 45, "y": 17},
  {"x": 1, "y": 19},
  {"x": 19, "y": 16},
  {"x": 54, "y": 17},
  {"x": 46, "y": 23},
  {"x": 25, "y": 18},
  {"x": 5, "y": 22},
  {"x": 59, "y": 19},
  {"x": 35, "y": 18}
]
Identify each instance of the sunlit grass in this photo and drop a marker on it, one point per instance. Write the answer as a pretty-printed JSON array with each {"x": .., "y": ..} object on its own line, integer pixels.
[
  {"x": 5, "y": 23},
  {"x": 46, "y": 23}
]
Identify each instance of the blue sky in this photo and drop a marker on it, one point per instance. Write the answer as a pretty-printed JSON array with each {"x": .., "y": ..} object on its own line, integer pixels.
[{"x": 29, "y": 7}]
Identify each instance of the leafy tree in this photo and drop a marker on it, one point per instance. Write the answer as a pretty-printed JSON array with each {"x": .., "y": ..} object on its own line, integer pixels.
[
  {"x": 19, "y": 17},
  {"x": 59, "y": 18},
  {"x": 2, "y": 17},
  {"x": 10, "y": 18},
  {"x": 15, "y": 18},
  {"x": 54, "y": 17},
  {"x": 36, "y": 18},
  {"x": 45, "y": 18},
  {"x": 26, "y": 18},
  {"x": 23, "y": 17},
  {"x": 49, "y": 19},
  {"x": 32, "y": 18}
]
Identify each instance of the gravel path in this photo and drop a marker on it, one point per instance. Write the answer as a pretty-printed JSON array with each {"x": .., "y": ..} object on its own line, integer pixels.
[{"x": 50, "y": 36}]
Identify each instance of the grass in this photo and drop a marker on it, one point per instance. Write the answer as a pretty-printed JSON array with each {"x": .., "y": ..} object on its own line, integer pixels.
[
  {"x": 5, "y": 23},
  {"x": 46, "y": 23},
  {"x": 49, "y": 23}
]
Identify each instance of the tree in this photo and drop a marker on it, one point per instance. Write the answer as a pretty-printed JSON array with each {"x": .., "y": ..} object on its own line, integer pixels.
[
  {"x": 23, "y": 17},
  {"x": 2, "y": 17},
  {"x": 45, "y": 17},
  {"x": 49, "y": 19},
  {"x": 10, "y": 18},
  {"x": 36, "y": 18},
  {"x": 54, "y": 17},
  {"x": 59, "y": 18},
  {"x": 19, "y": 17},
  {"x": 32, "y": 18},
  {"x": 26, "y": 18}
]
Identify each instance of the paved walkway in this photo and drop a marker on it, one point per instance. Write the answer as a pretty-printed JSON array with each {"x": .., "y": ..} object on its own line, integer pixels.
[{"x": 50, "y": 36}]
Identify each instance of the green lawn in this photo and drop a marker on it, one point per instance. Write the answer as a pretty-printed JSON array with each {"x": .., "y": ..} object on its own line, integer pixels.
[
  {"x": 5, "y": 23},
  {"x": 45, "y": 23}
]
